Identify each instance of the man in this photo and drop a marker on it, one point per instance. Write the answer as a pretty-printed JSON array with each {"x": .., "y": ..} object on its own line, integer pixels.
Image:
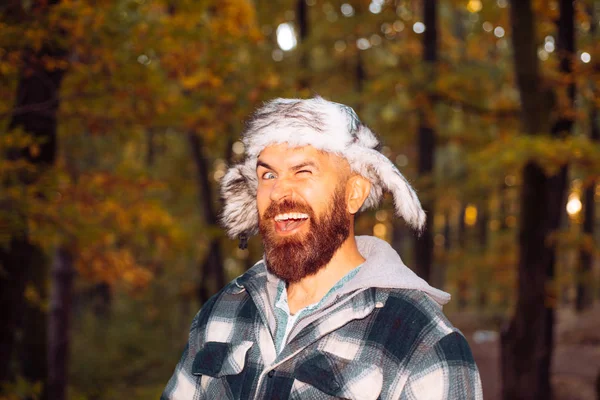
[{"x": 325, "y": 314}]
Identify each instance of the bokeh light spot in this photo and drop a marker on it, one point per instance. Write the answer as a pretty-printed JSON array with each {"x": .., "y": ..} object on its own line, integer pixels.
[
  {"x": 347, "y": 10},
  {"x": 470, "y": 215},
  {"x": 286, "y": 37},
  {"x": 574, "y": 205},
  {"x": 363, "y": 43},
  {"x": 586, "y": 57},
  {"x": 380, "y": 230},
  {"x": 474, "y": 6},
  {"x": 419, "y": 27}
]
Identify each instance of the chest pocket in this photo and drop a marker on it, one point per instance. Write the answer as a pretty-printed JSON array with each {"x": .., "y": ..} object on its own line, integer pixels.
[
  {"x": 336, "y": 377},
  {"x": 220, "y": 367},
  {"x": 217, "y": 359}
]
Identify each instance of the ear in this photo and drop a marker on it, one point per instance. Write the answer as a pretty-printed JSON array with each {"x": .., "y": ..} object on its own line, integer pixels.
[{"x": 357, "y": 189}]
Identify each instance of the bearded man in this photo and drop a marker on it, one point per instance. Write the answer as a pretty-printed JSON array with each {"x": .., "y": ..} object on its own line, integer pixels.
[{"x": 326, "y": 314}]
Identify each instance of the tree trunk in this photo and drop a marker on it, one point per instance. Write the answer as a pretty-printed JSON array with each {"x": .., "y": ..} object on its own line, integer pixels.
[
  {"x": 459, "y": 31},
  {"x": 483, "y": 220},
  {"x": 585, "y": 297},
  {"x": 462, "y": 228},
  {"x": 504, "y": 206},
  {"x": 447, "y": 231},
  {"x": 15, "y": 263},
  {"x": 527, "y": 344},
  {"x": 463, "y": 293},
  {"x": 213, "y": 274},
  {"x": 151, "y": 151},
  {"x": 101, "y": 300},
  {"x": 359, "y": 73},
  {"x": 483, "y": 235},
  {"x": 34, "y": 111},
  {"x": 33, "y": 348},
  {"x": 426, "y": 144},
  {"x": 61, "y": 295},
  {"x": 303, "y": 30}
]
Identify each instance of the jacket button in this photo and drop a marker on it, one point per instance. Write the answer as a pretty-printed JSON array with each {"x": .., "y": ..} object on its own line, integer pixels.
[{"x": 271, "y": 373}]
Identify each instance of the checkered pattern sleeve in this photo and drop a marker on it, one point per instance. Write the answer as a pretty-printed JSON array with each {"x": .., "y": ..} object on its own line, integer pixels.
[{"x": 446, "y": 371}]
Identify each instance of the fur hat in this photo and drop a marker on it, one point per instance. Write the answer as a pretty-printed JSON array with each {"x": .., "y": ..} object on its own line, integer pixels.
[{"x": 326, "y": 126}]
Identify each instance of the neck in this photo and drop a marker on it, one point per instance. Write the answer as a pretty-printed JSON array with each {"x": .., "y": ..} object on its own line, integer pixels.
[{"x": 311, "y": 289}]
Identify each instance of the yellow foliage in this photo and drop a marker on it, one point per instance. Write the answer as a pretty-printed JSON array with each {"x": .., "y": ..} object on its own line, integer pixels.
[
  {"x": 514, "y": 151},
  {"x": 104, "y": 264},
  {"x": 35, "y": 37},
  {"x": 134, "y": 65},
  {"x": 201, "y": 78},
  {"x": 109, "y": 220},
  {"x": 20, "y": 388}
]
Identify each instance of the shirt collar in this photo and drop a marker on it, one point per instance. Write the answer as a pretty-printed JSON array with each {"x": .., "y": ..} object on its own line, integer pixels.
[{"x": 281, "y": 301}]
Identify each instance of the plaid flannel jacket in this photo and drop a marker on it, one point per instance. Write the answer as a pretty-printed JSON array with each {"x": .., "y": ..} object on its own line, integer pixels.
[{"x": 372, "y": 343}]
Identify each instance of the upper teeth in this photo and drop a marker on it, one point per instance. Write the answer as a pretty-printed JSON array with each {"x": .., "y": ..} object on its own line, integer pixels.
[{"x": 283, "y": 217}]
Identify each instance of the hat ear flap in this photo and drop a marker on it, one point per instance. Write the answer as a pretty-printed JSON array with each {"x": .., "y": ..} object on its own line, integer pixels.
[
  {"x": 406, "y": 202},
  {"x": 384, "y": 176},
  {"x": 238, "y": 191}
]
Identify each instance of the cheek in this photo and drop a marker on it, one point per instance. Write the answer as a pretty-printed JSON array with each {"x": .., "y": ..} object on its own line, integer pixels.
[
  {"x": 262, "y": 200},
  {"x": 317, "y": 196}
]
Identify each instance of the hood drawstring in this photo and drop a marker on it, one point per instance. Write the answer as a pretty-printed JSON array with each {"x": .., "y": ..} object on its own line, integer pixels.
[{"x": 243, "y": 241}]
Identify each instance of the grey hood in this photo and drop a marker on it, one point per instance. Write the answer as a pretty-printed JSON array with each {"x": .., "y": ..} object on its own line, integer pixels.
[{"x": 384, "y": 268}]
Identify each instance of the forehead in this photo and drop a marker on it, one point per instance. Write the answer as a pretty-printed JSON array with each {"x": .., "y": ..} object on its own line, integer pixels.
[{"x": 284, "y": 156}]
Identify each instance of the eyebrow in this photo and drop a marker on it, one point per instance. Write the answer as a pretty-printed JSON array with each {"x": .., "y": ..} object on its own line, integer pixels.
[
  {"x": 305, "y": 164},
  {"x": 263, "y": 164}
]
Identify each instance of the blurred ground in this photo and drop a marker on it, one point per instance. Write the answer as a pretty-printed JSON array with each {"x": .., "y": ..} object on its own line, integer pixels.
[{"x": 576, "y": 362}]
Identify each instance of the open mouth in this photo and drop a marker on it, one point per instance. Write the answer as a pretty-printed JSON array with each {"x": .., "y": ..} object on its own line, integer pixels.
[{"x": 289, "y": 221}]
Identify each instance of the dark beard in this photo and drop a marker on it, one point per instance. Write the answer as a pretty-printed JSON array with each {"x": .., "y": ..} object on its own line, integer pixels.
[{"x": 293, "y": 258}]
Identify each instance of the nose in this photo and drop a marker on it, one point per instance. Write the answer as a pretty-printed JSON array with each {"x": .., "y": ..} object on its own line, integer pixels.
[{"x": 280, "y": 190}]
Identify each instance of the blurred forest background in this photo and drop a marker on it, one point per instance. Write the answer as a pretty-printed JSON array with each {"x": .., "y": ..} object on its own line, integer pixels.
[{"x": 119, "y": 117}]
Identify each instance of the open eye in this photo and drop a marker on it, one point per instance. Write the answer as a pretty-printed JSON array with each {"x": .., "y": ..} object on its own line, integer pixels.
[{"x": 268, "y": 175}]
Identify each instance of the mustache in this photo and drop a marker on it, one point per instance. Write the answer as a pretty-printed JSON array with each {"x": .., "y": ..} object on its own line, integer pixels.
[{"x": 287, "y": 206}]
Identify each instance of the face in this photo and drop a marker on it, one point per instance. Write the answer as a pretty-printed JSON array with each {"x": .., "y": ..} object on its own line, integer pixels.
[{"x": 302, "y": 208}]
